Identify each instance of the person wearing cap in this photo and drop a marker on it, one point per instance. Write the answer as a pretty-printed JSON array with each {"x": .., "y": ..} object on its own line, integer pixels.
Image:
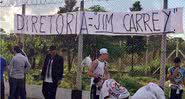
[
  {"x": 52, "y": 73},
  {"x": 98, "y": 71},
  {"x": 19, "y": 66},
  {"x": 176, "y": 75}
]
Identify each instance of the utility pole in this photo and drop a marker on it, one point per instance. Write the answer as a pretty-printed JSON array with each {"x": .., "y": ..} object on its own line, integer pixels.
[
  {"x": 77, "y": 93},
  {"x": 21, "y": 36},
  {"x": 177, "y": 47},
  {"x": 80, "y": 51},
  {"x": 146, "y": 57},
  {"x": 163, "y": 54}
]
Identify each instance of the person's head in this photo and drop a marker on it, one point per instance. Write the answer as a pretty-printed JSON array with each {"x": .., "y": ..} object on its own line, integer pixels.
[
  {"x": 177, "y": 61},
  {"x": 16, "y": 49},
  {"x": 104, "y": 54},
  {"x": 20, "y": 44},
  {"x": 52, "y": 50}
]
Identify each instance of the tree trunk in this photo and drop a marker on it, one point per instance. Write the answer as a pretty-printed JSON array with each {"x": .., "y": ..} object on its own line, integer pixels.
[{"x": 69, "y": 59}]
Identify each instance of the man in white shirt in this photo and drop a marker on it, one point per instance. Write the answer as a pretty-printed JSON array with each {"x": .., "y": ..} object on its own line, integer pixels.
[{"x": 98, "y": 71}]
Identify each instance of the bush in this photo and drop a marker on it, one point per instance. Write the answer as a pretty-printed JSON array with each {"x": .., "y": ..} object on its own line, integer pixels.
[{"x": 131, "y": 84}]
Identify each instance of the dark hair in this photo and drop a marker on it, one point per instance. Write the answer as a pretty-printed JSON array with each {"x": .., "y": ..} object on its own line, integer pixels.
[
  {"x": 17, "y": 49},
  {"x": 52, "y": 47},
  {"x": 20, "y": 44},
  {"x": 177, "y": 60}
]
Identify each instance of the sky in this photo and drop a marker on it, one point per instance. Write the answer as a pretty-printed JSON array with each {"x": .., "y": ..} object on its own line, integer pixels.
[{"x": 7, "y": 13}]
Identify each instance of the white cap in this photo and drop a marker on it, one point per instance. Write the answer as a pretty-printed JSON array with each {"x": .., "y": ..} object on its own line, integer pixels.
[{"x": 103, "y": 51}]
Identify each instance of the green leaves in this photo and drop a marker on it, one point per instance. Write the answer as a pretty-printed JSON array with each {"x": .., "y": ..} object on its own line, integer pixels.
[{"x": 97, "y": 8}]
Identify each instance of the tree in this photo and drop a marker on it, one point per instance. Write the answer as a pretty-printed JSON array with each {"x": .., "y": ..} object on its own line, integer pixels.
[
  {"x": 136, "y": 44},
  {"x": 94, "y": 43},
  {"x": 68, "y": 7},
  {"x": 136, "y": 6},
  {"x": 2, "y": 30},
  {"x": 69, "y": 42},
  {"x": 97, "y": 8}
]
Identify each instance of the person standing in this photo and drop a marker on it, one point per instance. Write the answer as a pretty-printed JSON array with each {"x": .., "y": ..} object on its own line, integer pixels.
[
  {"x": 98, "y": 71},
  {"x": 52, "y": 73},
  {"x": 177, "y": 79},
  {"x": 3, "y": 64},
  {"x": 19, "y": 66}
]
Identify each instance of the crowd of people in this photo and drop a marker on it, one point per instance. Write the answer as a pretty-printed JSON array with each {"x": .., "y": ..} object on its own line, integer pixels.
[
  {"x": 19, "y": 66},
  {"x": 102, "y": 85},
  {"x": 105, "y": 87}
]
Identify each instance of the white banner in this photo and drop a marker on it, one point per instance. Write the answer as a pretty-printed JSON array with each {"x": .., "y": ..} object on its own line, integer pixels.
[{"x": 102, "y": 23}]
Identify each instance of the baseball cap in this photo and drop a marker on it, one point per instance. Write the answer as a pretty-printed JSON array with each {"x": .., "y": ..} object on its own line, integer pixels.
[{"x": 103, "y": 51}]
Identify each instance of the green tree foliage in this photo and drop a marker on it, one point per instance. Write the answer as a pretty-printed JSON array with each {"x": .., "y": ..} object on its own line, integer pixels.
[
  {"x": 68, "y": 7},
  {"x": 136, "y": 44},
  {"x": 97, "y": 8},
  {"x": 136, "y": 6},
  {"x": 69, "y": 42}
]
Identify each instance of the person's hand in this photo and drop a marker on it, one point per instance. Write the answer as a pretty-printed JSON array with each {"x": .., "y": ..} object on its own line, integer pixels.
[
  {"x": 96, "y": 79},
  {"x": 105, "y": 78},
  {"x": 176, "y": 71}
]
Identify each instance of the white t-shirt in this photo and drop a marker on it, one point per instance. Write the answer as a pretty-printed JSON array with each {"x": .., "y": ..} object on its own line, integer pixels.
[{"x": 150, "y": 91}]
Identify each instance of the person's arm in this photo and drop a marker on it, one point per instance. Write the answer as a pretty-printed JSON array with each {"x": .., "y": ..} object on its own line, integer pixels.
[
  {"x": 184, "y": 78},
  {"x": 172, "y": 76},
  {"x": 28, "y": 65},
  {"x": 6, "y": 65},
  {"x": 44, "y": 67},
  {"x": 107, "y": 75},
  {"x": 184, "y": 81},
  {"x": 92, "y": 68}
]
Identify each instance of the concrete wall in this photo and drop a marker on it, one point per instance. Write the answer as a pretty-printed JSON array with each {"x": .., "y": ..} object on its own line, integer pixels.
[{"x": 35, "y": 91}]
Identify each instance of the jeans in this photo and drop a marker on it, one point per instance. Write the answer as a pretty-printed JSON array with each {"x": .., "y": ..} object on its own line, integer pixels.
[
  {"x": 93, "y": 92},
  {"x": 49, "y": 90},
  {"x": 17, "y": 88}
]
